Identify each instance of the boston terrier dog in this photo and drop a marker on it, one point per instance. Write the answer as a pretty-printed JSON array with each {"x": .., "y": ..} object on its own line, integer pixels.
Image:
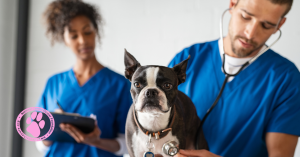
[{"x": 160, "y": 114}]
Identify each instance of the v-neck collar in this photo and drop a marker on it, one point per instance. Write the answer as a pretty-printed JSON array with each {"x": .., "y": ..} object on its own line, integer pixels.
[
  {"x": 88, "y": 83},
  {"x": 241, "y": 77},
  {"x": 236, "y": 62}
]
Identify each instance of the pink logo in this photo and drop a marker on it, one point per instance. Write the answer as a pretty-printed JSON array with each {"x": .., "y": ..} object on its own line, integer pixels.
[{"x": 35, "y": 123}]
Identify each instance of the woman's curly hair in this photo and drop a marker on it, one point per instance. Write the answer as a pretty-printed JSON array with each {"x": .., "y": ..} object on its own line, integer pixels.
[{"x": 60, "y": 12}]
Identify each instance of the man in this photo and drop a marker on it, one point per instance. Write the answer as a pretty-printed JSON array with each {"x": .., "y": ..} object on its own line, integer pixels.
[{"x": 258, "y": 112}]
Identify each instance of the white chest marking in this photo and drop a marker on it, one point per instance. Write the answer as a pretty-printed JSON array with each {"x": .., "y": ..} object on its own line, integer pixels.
[
  {"x": 139, "y": 143},
  {"x": 154, "y": 122}
]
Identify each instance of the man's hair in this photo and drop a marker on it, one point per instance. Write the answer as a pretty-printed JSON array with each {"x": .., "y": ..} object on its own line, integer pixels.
[
  {"x": 289, "y": 4},
  {"x": 60, "y": 12}
]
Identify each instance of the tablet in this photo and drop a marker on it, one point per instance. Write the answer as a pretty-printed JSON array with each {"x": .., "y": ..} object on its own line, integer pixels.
[{"x": 85, "y": 124}]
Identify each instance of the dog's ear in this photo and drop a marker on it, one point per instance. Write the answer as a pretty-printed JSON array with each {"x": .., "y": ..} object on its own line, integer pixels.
[
  {"x": 180, "y": 70},
  {"x": 131, "y": 64}
]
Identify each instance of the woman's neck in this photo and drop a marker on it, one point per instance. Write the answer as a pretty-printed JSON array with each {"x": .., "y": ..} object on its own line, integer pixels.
[{"x": 85, "y": 69}]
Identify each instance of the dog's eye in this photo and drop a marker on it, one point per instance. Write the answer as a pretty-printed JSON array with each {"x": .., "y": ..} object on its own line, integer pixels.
[
  {"x": 167, "y": 86},
  {"x": 137, "y": 85}
]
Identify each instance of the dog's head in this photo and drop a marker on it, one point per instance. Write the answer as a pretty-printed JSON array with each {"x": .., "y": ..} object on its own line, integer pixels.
[{"x": 153, "y": 88}]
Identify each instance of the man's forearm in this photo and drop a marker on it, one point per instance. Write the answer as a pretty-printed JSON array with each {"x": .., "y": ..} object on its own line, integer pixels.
[{"x": 280, "y": 144}]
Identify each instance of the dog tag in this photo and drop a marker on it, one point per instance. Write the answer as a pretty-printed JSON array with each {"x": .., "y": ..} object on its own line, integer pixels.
[
  {"x": 150, "y": 146},
  {"x": 148, "y": 154}
]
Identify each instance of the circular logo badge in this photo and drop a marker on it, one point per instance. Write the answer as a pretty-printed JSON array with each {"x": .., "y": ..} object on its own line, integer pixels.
[{"x": 35, "y": 123}]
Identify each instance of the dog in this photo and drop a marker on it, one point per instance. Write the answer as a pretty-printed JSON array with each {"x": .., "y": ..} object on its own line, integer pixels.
[{"x": 159, "y": 111}]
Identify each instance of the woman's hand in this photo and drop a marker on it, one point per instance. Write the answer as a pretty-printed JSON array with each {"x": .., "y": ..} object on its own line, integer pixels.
[
  {"x": 80, "y": 137},
  {"x": 195, "y": 153},
  {"x": 46, "y": 142},
  {"x": 92, "y": 138}
]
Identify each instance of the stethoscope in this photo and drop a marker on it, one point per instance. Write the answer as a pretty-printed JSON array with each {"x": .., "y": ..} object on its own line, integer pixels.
[{"x": 229, "y": 75}]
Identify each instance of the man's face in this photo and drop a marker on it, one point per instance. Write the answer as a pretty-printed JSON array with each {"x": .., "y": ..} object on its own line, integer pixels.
[{"x": 252, "y": 23}]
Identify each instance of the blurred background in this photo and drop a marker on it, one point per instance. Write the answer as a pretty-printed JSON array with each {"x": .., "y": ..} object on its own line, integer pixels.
[{"x": 152, "y": 30}]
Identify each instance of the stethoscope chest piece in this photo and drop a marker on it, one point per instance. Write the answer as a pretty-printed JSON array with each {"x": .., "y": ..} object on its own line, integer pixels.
[{"x": 170, "y": 148}]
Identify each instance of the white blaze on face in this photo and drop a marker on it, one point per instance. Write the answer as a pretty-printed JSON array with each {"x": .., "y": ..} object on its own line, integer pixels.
[{"x": 151, "y": 75}]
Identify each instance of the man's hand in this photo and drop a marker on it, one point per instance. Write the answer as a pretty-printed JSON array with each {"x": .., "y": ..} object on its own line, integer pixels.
[
  {"x": 195, "y": 153},
  {"x": 80, "y": 137}
]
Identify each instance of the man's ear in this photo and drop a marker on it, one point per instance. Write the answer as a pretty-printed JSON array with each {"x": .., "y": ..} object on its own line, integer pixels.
[
  {"x": 131, "y": 64},
  {"x": 180, "y": 70},
  {"x": 282, "y": 21},
  {"x": 232, "y": 5}
]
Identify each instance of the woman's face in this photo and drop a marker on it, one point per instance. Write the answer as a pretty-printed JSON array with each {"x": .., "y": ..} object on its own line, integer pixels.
[{"x": 79, "y": 36}]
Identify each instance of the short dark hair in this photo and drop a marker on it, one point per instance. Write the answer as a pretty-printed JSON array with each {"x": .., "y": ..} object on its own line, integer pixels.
[
  {"x": 60, "y": 12},
  {"x": 289, "y": 4}
]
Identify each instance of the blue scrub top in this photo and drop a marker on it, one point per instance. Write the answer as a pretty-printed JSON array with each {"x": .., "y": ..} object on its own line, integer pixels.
[
  {"x": 264, "y": 97},
  {"x": 106, "y": 95}
]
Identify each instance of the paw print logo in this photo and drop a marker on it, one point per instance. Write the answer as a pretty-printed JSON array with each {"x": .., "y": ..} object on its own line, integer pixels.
[{"x": 35, "y": 124}]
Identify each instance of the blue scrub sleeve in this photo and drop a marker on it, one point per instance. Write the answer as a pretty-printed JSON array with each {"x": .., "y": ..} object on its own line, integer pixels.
[
  {"x": 181, "y": 56},
  {"x": 123, "y": 108},
  {"x": 286, "y": 115},
  {"x": 42, "y": 101}
]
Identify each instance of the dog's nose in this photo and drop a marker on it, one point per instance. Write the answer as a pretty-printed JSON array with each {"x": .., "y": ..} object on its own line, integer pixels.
[{"x": 151, "y": 93}]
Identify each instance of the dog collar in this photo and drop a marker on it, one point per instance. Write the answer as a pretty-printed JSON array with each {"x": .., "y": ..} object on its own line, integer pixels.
[{"x": 158, "y": 135}]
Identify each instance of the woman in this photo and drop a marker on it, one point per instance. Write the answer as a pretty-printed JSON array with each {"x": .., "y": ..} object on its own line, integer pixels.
[{"x": 88, "y": 88}]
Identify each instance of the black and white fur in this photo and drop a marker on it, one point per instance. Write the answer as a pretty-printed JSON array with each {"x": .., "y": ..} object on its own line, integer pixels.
[{"x": 154, "y": 103}]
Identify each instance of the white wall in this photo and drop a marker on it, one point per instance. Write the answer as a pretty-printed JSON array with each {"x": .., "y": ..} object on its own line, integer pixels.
[
  {"x": 152, "y": 30},
  {"x": 8, "y": 19}
]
